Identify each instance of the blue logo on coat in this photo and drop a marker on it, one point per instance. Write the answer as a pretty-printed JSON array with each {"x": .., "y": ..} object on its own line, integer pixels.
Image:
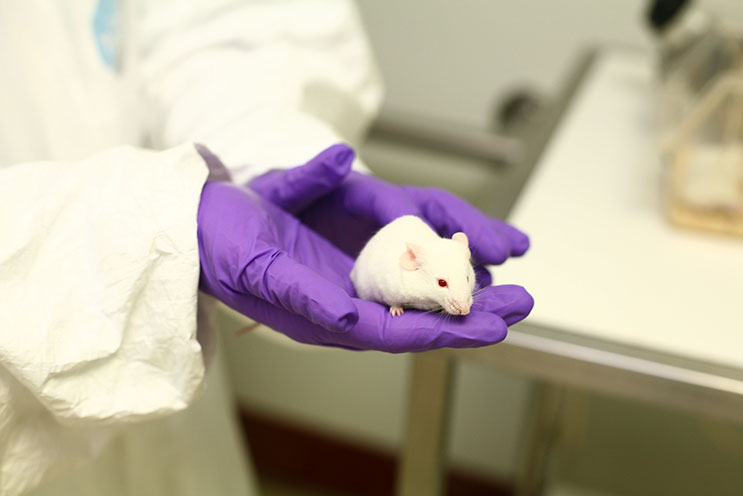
[{"x": 106, "y": 25}]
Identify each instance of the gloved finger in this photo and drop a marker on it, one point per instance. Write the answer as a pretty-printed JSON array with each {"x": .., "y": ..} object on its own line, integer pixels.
[
  {"x": 372, "y": 198},
  {"x": 511, "y": 303},
  {"x": 449, "y": 214},
  {"x": 282, "y": 281},
  {"x": 483, "y": 278},
  {"x": 293, "y": 189},
  {"x": 378, "y": 330},
  {"x": 518, "y": 239},
  {"x": 419, "y": 331},
  {"x": 476, "y": 330}
]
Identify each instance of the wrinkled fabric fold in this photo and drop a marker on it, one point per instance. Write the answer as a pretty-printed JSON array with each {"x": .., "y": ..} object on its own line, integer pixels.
[{"x": 98, "y": 277}]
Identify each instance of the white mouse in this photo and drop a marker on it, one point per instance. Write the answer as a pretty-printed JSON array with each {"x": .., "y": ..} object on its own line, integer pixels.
[{"x": 407, "y": 265}]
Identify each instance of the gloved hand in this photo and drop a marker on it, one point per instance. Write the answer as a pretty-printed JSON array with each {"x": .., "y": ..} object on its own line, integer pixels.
[
  {"x": 348, "y": 207},
  {"x": 265, "y": 263}
]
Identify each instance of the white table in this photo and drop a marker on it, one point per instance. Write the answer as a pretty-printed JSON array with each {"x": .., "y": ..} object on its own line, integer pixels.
[
  {"x": 626, "y": 304},
  {"x": 605, "y": 263}
]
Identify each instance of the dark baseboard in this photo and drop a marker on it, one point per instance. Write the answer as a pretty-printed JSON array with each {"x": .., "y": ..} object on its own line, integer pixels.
[{"x": 316, "y": 460}]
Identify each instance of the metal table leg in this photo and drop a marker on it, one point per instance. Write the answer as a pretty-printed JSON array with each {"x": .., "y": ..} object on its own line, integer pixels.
[
  {"x": 541, "y": 433},
  {"x": 423, "y": 461}
]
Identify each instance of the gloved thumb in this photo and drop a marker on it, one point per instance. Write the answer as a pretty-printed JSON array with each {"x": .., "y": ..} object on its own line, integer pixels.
[{"x": 293, "y": 189}]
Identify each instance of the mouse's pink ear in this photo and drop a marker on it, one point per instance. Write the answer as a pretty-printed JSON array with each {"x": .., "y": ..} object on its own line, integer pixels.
[
  {"x": 460, "y": 237},
  {"x": 411, "y": 257}
]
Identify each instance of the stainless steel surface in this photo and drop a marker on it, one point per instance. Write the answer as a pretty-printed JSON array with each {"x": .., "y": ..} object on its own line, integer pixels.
[
  {"x": 563, "y": 358},
  {"x": 514, "y": 178},
  {"x": 447, "y": 137},
  {"x": 543, "y": 428},
  {"x": 422, "y": 468}
]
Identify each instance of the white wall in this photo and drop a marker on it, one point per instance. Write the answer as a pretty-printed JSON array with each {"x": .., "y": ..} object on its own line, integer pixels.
[{"x": 452, "y": 60}]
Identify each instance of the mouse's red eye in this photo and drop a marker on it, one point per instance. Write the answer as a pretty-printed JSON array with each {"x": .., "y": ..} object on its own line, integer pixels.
[{"x": 443, "y": 283}]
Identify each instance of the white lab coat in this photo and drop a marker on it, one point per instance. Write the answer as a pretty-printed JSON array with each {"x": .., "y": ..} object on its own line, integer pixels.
[{"x": 98, "y": 252}]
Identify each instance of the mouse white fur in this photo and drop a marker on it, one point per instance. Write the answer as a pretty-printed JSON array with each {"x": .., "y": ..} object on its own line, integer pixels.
[{"x": 407, "y": 265}]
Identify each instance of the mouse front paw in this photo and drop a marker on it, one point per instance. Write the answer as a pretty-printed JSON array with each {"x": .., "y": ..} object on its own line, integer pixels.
[{"x": 396, "y": 310}]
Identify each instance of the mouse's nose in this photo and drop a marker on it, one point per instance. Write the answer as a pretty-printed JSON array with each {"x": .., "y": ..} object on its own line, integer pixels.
[{"x": 463, "y": 307}]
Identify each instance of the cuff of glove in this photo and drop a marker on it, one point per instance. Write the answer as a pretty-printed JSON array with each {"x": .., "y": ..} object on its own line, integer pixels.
[{"x": 217, "y": 170}]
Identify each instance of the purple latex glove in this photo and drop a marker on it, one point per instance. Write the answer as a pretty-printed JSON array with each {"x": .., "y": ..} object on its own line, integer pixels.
[
  {"x": 347, "y": 208},
  {"x": 265, "y": 263}
]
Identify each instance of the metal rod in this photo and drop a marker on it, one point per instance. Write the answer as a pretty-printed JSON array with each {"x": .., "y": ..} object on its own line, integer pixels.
[{"x": 448, "y": 137}]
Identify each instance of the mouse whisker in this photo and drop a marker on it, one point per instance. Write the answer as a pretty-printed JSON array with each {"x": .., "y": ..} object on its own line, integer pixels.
[
  {"x": 433, "y": 310},
  {"x": 428, "y": 312}
]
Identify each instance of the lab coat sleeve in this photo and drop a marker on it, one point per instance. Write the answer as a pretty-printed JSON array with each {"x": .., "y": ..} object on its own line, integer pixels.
[
  {"x": 264, "y": 84},
  {"x": 99, "y": 270}
]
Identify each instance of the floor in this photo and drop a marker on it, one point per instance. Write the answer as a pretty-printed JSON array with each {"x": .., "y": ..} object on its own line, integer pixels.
[{"x": 276, "y": 487}]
